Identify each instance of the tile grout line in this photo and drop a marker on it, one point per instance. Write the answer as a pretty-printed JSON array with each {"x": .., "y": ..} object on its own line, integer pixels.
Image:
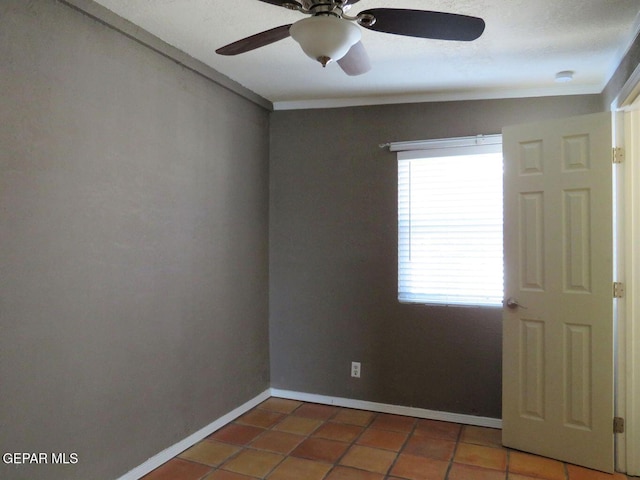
[
  {"x": 244, "y": 447},
  {"x": 310, "y": 434},
  {"x": 354, "y": 441},
  {"x": 285, "y": 456},
  {"x": 213, "y": 468},
  {"x": 241, "y": 448},
  {"x": 350, "y": 445},
  {"x": 324, "y": 422},
  {"x": 453, "y": 454},
  {"x": 404, "y": 444}
]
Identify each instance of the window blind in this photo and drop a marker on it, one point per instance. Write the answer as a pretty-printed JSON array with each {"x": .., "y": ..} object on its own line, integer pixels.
[{"x": 450, "y": 225}]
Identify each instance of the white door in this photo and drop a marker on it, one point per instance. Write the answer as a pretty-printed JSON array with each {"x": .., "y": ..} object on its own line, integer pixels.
[{"x": 558, "y": 325}]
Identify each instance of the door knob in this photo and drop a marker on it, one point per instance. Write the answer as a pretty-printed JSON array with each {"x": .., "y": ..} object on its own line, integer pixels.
[{"x": 512, "y": 303}]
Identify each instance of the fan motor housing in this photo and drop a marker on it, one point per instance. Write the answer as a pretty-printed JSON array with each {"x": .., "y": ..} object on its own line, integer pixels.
[{"x": 336, "y": 7}]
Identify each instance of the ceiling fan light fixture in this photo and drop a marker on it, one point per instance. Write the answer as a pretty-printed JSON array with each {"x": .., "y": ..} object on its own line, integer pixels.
[{"x": 325, "y": 38}]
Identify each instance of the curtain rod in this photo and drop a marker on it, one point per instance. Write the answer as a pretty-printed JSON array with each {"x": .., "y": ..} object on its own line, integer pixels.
[{"x": 492, "y": 139}]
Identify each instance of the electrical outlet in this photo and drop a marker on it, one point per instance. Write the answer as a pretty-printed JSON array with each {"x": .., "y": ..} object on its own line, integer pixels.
[{"x": 355, "y": 369}]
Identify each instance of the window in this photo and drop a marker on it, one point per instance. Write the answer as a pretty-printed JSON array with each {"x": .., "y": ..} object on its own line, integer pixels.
[{"x": 450, "y": 222}]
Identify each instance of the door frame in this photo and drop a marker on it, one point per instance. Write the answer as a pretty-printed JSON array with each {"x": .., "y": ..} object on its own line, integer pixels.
[{"x": 627, "y": 229}]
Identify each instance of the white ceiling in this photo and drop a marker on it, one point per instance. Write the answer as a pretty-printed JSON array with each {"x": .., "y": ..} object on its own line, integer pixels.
[{"x": 525, "y": 43}]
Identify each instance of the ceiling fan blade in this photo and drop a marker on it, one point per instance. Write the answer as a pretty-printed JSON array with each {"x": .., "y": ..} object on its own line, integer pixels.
[
  {"x": 356, "y": 61},
  {"x": 281, "y": 3},
  {"x": 255, "y": 41},
  {"x": 425, "y": 24}
]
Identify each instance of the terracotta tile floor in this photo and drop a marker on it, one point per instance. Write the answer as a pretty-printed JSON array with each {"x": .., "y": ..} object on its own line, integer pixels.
[{"x": 290, "y": 440}]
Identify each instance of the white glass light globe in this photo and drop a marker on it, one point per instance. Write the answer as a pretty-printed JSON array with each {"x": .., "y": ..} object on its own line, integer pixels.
[{"x": 325, "y": 38}]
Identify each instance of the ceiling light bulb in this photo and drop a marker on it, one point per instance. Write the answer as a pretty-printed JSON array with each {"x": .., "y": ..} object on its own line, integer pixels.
[
  {"x": 325, "y": 38},
  {"x": 564, "y": 77}
]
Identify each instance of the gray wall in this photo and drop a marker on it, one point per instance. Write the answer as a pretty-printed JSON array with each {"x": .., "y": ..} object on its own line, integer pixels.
[
  {"x": 332, "y": 232},
  {"x": 133, "y": 246}
]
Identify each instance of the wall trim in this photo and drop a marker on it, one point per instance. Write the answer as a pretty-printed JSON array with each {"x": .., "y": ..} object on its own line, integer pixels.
[
  {"x": 629, "y": 91},
  {"x": 388, "y": 408},
  {"x": 167, "y": 454}
]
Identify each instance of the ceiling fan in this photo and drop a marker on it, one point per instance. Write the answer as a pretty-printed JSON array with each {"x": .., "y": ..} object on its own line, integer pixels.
[{"x": 329, "y": 34}]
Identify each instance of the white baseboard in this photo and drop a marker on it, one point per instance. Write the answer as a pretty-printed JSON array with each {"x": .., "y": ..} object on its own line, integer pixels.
[
  {"x": 166, "y": 455},
  {"x": 387, "y": 408}
]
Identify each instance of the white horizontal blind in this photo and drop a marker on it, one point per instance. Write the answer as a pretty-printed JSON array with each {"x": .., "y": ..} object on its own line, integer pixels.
[{"x": 450, "y": 226}]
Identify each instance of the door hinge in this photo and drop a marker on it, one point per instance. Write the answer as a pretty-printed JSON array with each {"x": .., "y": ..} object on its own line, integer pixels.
[
  {"x": 618, "y": 425},
  {"x": 618, "y": 155},
  {"x": 618, "y": 289}
]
